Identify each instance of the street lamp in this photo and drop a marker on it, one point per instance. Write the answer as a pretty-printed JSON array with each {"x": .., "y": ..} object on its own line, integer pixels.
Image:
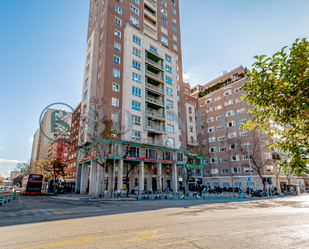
[{"x": 249, "y": 167}]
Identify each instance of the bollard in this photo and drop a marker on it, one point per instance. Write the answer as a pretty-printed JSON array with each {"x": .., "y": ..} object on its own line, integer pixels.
[
  {"x": 1, "y": 201},
  {"x": 156, "y": 195},
  {"x": 9, "y": 198},
  {"x": 5, "y": 199},
  {"x": 147, "y": 195},
  {"x": 14, "y": 194}
]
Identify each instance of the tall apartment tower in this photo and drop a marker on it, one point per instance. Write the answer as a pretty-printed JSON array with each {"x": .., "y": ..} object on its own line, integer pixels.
[{"x": 133, "y": 62}]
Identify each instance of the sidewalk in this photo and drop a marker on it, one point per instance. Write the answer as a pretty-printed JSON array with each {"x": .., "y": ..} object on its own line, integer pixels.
[{"x": 86, "y": 197}]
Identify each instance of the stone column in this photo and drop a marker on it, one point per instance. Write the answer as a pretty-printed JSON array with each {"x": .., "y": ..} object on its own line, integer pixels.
[
  {"x": 78, "y": 178},
  {"x": 99, "y": 179},
  {"x": 84, "y": 178},
  {"x": 110, "y": 178},
  {"x": 149, "y": 177},
  {"x": 174, "y": 178},
  {"x": 164, "y": 177},
  {"x": 93, "y": 180},
  {"x": 141, "y": 177},
  {"x": 120, "y": 175},
  {"x": 132, "y": 178},
  {"x": 184, "y": 172},
  {"x": 159, "y": 172}
]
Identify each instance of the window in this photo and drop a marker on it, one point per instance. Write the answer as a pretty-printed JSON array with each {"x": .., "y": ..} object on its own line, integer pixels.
[
  {"x": 218, "y": 107},
  {"x": 214, "y": 160},
  {"x": 168, "y": 69},
  {"x": 243, "y": 121},
  {"x": 219, "y": 118},
  {"x": 164, "y": 31},
  {"x": 217, "y": 98},
  {"x": 203, "y": 132},
  {"x": 211, "y": 129},
  {"x": 99, "y": 75},
  {"x": 174, "y": 11},
  {"x": 174, "y": 38},
  {"x": 238, "y": 184},
  {"x": 221, "y": 138},
  {"x": 244, "y": 133},
  {"x": 163, "y": 3},
  {"x": 136, "y": 91},
  {"x": 179, "y": 133},
  {"x": 153, "y": 49},
  {"x": 228, "y": 102},
  {"x": 245, "y": 145},
  {"x": 103, "y": 11},
  {"x": 232, "y": 135},
  {"x": 210, "y": 120},
  {"x": 136, "y": 135},
  {"x": 99, "y": 87},
  {"x": 134, "y": 20},
  {"x": 236, "y": 170},
  {"x": 175, "y": 47},
  {"x": 101, "y": 48},
  {"x": 242, "y": 110},
  {"x": 263, "y": 132},
  {"x": 191, "y": 129},
  {"x": 265, "y": 143},
  {"x": 115, "y": 87},
  {"x": 136, "y": 65},
  {"x": 174, "y": 20},
  {"x": 86, "y": 82},
  {"x": 222, "y": 149},
  {"x": 170, "y": 128},
  {"x": 248, "y": 170},
  {"x": 136, "y": 78},
  {"x": 116, "y": 73},
  {"x": 170, "y": 116},
  {"x": 136, "y": 106},
  {"x": 209, "y": 109},
  {"x": 116, "y": 59},
  {"x": 100, "y": 61},
  {"x": 230, "y": 124},
  {"x": 246, "y": 158},
  {"x": 168, "y": 58},
  {"x": 136, "y": 1},
  {"x": 115, "y": 102},
  {"x": 212, "y": 139},
  {"x": 169, "y": 92},
  {"x": 208, "y": 101},
  {"x": 85, "y": 95},
  {"x": 164, "y": 40},
  {"x": 173, "y": 2},
  {"x": 174, "y": 28},
  {"x": 163, "y": 21},
  {"x": 206, "y": 171},
  {"x": 235, "y": 158},
  {"x": 224, "y": 171},
  {"x": 118, "y": 10},
  {"x": 219, "y": 128},
  {"x": 237, "y": 100},
  {"x": 213, "y": 150},
  {"x": 163, "y": 11},
  {"x": 134, "y": 10},
  {"x": 169, "y": 103},
  {"x": 171, "y": 142},
  {"x": 237, "y": 90},
  {"x": 117, "y": 33},
  {"x": 227, "y": 92},
  {"x": 230, "y": 113},
  {"x": 102, "y": 24},
  {"x": 87, "y": 70},
  {"x": 136, "y": 52},
  {"x": 118, "y": 21},
  {"x": 136, "y": 40},
  {"x": 168, "y": 80},
  {"x": 186, "y": 90},
  {"x": 267, "y": 155},
  {"x": 136, "y": 120},
  {"x": 269, "y": 168}
]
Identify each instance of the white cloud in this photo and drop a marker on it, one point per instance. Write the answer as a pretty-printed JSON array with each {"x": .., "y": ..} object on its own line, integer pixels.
[
  {"x": 0, "y": 167},
  {"x": 186, "y": 76},
  {"x": 30, "y": 139},
  {"x": 11, "y": 161},
  {"x": 8, "y": 171},
  {"x": 2, "y": 148}
]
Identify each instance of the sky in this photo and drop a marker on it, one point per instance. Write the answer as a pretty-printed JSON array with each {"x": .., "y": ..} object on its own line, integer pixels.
[{"x": 42, "y": 49}]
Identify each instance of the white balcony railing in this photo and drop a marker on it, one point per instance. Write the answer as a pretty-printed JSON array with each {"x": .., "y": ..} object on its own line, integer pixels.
[
  {"x": 153, "y": 100},
  {"x": 152, "y": 62},
  {"x": 160, "y": 78},
  {"x": 155, "y": 114},
  {"x": 156, "y": 88}
]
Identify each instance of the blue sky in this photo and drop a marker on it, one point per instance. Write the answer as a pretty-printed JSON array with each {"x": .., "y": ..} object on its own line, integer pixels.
[{"x": 42, "y": 53}]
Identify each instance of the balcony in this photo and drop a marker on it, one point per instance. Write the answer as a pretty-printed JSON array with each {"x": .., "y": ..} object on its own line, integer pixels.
[
  {"x": 150, "y": 25},
  {"x": 151, "y": 15},
  {"x": 150, "y": 32},
  {"x": 152, "y": 141},
  {"x": 155, "y": 101},
  {"x": 154, "y": 76},
  {"x": 155, "y": 114},
  {"x": 154, "y": 63},
  {"x": 151, "y": 4},
  {"x": 155, "y": 88},
  {"x": 156, "y": 128}
]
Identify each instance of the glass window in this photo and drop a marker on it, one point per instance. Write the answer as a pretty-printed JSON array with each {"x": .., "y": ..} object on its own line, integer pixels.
[
  {"x": 115, "y": 87},
  {"x": 117, "y": 33},
  {"x": 135, "y": 1},
  {"x": 136, "y": 120},
  {"x": 116, "y": 73},
  {"x": 171, "y": 142},
  {"x": 168, "y": 80},
  {"x": 118, "y": 10},
  {"x": 169, "y": 103},
  {"x": 86, "y": 82},
  {"x": 175, "y": 47},
  {"x": 136, "y": 91},
  {"x": 163, "y": 21},
  {"x": 174, "y": 28},
  {"x": 118, "y": 21},
  {"x": 170, "y": 128},
  {"x": 153, "y": 49},
  {"x": 163, "y": 11},
  {"x": 170, "y": 116},
  {"x": 164, "y": 40},
  {"x": 85, "y": 95},
  {"x": 136, "y": 106},
  {"x": 136, "y": 40},
  {"x": 115, "y": 102},
  {"x": 117, "y": 46},
  {"x": 134, "y": 20},
  {"x": 168, "y": 58},
  {"x": 136, "y": 65},
  {"x": 134, "y": 10},
  {"x": 136, "y": 78},
  {"x": 136, "y": 52},
  {"x": 168, "y": 69},
  {"x": 169, "y": 92},
  {"x": 116, "y": 59},
  {"x": 163, "y": 3}
]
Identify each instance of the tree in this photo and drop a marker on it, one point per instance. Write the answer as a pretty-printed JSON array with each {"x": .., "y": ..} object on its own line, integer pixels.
[
  {"x": 255, "y": 142},
  {"x": 18, "y": 179},
  {"x": 1, "y": 179},
  {"x": 278, "y": 88}
]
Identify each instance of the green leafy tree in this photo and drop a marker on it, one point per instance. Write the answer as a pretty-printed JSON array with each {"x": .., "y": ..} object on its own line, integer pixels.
[{"x": 278, "y": 88}]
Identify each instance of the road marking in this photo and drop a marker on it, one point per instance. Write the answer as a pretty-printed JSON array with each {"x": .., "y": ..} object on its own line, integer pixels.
[
  {"x": 17, "y": 235},
  {"x": 149, "y": 220},
  {"x": 183, "y": 241},
  {"x": 246, "y": 231},
  {"x": 139, "y": 236},
  {"x": 84, "y": 227},
  {"x": 20, "y": 200},
  {"x": 116, "y": 217},
  {"x": 60, "y": 222},
  {"x": 66, "y": 212}
]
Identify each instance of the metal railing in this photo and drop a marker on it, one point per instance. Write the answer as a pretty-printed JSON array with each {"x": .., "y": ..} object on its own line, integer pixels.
[
  {"x": 160, "y": 78},
  {"x": 153, "y": 100},
  {"x": 150, "y": 13},
  {"x": 156, "y": 128},
  {"x": 154, "y": 63},
  {"x": 159, "y": 89},
  {"x": 155, "y": 114}
]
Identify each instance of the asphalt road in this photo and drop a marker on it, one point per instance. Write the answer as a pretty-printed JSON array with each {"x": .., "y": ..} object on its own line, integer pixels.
[{"x": 56, "y": 222}]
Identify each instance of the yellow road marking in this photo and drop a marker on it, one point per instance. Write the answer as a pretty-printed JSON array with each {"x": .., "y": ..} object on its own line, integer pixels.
[
  {"x": 60, "y": 222},
  {"x": 94, "y": 210},
  {"x": 183, "y": 241},
  {"x": 146, "y": 235},
  {"x": 149, "y": 220},
  {"x": 17, "y": 235},
  {"x": 20, "y": 200},
  {"x": 114, "y": 217},
  {"x": 245, "y": 231},
  {"x": 66, "y": 212},
  {"x": 84, "y": 227}
]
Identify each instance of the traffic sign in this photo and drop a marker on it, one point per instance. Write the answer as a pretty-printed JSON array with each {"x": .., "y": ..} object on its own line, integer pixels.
[{"x": 248, "y": 178}]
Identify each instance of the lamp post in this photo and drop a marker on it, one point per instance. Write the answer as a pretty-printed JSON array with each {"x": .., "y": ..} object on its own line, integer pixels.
[{"x": 249, "y": 167}]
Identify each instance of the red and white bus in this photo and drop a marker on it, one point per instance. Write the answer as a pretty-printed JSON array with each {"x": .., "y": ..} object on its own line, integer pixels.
[{"x": 32, "y": 184}]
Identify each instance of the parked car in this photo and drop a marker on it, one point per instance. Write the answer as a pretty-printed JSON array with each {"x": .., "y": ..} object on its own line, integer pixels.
[{"x": 258, "y": 193}]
